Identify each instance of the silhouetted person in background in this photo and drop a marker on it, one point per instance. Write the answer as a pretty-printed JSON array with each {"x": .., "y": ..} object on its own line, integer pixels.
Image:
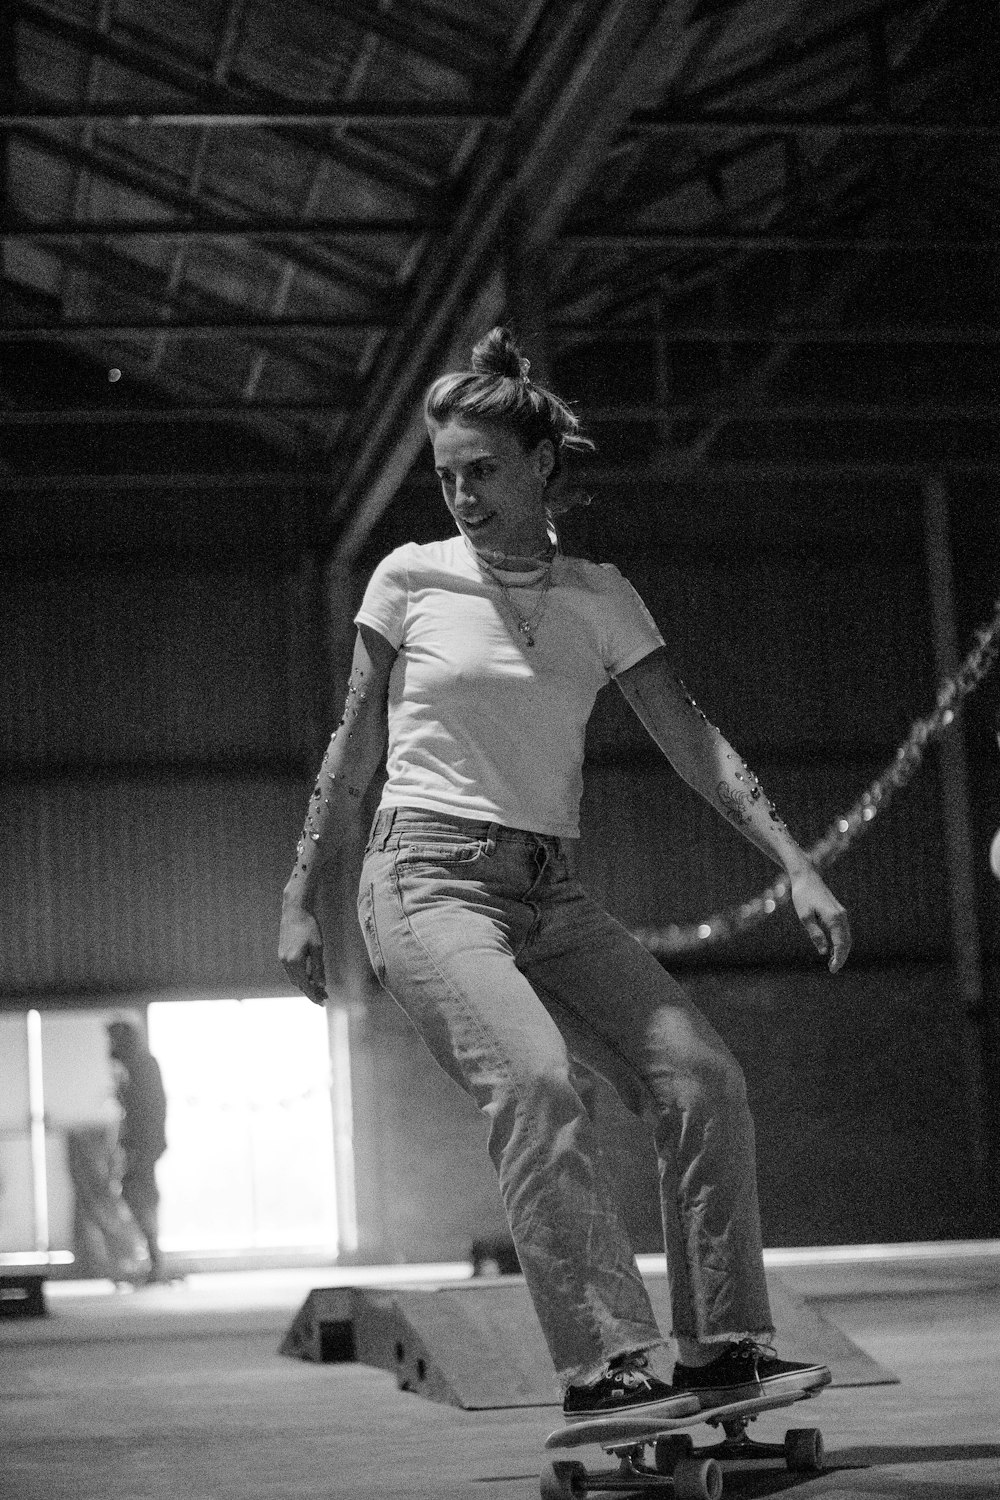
[{"x": 142, "y": 1137}]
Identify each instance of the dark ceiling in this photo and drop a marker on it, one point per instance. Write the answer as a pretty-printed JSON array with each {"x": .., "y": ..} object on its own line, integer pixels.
[{"x": 753, "y": 238}]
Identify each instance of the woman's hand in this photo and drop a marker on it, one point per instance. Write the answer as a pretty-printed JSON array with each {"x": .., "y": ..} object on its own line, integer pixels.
[
  {"x": 300, "y": 950},
  {"x": 822, "y": 916}
]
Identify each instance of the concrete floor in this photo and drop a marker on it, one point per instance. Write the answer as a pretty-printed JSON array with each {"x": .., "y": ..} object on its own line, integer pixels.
[{"x": 179, "y": 1394}]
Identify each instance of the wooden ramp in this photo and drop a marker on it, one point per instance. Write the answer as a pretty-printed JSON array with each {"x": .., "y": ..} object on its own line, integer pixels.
[{"x": 478, "y": 1344}]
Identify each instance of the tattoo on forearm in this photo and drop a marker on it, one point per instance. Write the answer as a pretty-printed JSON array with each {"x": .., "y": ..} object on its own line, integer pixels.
[
  {"x": 733, "y": 804},
  {"x": 754, "y": 791},
  {"x": 356, "y": 694}
]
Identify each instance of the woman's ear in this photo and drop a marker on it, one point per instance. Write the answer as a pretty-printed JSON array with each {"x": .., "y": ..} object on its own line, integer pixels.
[{"x": 545, "y": 458}]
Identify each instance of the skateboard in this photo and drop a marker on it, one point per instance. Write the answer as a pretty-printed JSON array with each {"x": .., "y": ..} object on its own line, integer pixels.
[{"x": 654, "y": 1453}]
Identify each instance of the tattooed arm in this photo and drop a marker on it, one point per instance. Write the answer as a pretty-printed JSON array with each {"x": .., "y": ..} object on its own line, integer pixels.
[
  {"x": 349, "y": 764},
  {"x": 709, "y": 764}
]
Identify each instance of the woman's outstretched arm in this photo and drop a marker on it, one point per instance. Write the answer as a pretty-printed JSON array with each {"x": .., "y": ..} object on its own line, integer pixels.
[
  {"x": 351, "y": 760},
  {"x": 708, "y": 763}
]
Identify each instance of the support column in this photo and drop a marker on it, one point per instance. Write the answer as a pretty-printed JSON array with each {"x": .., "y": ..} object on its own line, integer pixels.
[
  {"x": 959, "y": 847},
  {"x": 361, "y": 1209}
]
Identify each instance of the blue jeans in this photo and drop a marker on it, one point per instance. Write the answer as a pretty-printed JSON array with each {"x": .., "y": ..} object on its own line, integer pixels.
[{"x": 523, "y": 987}]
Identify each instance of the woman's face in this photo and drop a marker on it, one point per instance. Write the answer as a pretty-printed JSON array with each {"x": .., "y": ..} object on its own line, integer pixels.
[{"x": 494, "y": 489}]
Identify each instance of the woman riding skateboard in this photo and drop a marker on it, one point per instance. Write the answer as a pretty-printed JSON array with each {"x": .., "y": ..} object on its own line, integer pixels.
[{"x": 478, "y": 659}]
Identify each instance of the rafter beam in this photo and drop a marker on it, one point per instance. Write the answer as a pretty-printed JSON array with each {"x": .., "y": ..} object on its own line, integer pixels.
[
  {"x": 651, "y": 123},
  {"x": 562, "y": 333},
  {"x": 627, "y": 476},
  {"x": 138, "y": 115},
  {"x": 658, "y": 239},
  {"x": 202, "y": 411},
  {"x": 800, "y": 411},
  {"x": 64, "y": 332},
  {"x": 778, "y": 332},
  {"x": 664, "y": 477},
  {"x": 264, "y": 230},
  {"x": 206, "y": 228},
  {"x": 35, "y": 484}
]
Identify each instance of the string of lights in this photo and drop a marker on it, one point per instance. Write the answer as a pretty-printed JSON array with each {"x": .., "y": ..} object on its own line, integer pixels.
[{"x": 850, "y": 825}]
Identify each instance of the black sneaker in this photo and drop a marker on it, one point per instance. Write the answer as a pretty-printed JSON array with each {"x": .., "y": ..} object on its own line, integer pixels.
[
  {"x": 745, "y": 1370},
  {"x": 626, "y": 1386}
]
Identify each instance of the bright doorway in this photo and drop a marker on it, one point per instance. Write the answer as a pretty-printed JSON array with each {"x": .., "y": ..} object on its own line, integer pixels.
[{"x": 250, "y": 1162}]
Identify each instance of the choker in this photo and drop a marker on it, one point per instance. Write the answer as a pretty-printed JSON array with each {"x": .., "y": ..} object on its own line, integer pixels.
[{"x": 497, "y": 563}]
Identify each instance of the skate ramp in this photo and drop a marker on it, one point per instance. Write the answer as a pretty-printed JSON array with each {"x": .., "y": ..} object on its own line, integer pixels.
[{"x": 478, "y": 1344}]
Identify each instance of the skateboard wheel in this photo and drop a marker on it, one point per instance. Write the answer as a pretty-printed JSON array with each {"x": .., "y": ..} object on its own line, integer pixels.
[
  {"x": 697, "y": 1479},
  {"x": 804, "y": 1450},
  {"x": 668, "y": 1452},
  {"x": 563, "y": 1480}
]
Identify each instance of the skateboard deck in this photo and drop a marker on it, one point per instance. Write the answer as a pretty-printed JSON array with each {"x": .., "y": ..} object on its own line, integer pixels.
[{"x": 673, "y": 1462}]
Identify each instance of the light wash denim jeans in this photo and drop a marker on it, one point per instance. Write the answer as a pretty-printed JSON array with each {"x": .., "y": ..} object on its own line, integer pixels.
[{"x": 523, "y": 987}]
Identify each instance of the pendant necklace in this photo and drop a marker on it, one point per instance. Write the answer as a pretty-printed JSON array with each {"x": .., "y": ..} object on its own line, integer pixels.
[{"x": 526, "y": 624}]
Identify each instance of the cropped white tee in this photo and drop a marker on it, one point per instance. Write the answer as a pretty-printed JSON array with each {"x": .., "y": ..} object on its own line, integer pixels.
[{"x": 482, "y": 725}]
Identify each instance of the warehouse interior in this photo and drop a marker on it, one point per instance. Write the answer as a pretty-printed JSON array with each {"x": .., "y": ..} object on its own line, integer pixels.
[{"x": 755, "y": 245}]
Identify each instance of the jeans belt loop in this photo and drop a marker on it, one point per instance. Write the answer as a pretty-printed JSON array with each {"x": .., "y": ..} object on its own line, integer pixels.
[
  {"x": 489, "y": 843},
  {"x": 388, "y": 815}
]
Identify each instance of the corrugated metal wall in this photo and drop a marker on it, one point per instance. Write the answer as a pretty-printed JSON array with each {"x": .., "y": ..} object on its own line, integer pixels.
[
  {"x": 162, "y": 727},
  {"x": 156, "y": 742}
]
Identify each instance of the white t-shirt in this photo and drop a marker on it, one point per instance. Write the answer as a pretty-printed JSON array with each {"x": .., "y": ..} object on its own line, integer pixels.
[{"x": 482, "y": 725}]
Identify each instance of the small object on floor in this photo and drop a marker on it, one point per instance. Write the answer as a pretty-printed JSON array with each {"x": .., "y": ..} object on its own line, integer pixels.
[
  {"x": 496, "y": 1256},
  {"x": 22, "y": 1295},
  {"x": 652, "y": 1449},
  {"x": 146, "y": 1276}
]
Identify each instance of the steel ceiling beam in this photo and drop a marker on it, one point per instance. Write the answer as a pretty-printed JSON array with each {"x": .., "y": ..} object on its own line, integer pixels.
[
  {"x": 307, "y": 480},
  {"x": 626, "y": 475},
  {"x": 192, "y": 328},
  {"x": 777, "y": 332},
  {"x": 782, "y": 411},
  {"x": 203, "y": 411},
  {"x": 562, "y": 333},
  {"x": 652, "y": 123},
  {"x": 657, "y": 239},
  {"x": 264, "y": 230},
  {"x": 138, "y": 115},
  {"x": 206, "y": 228},
  {"x": 799, "y": 411}
]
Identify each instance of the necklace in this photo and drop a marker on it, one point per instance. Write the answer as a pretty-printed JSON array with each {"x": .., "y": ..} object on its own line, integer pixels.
[{"x": 526, "y": 624}]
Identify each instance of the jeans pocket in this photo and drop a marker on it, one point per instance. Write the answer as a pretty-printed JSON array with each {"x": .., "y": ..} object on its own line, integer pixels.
[
  {"x": 440, "y": 852},
  {"x": 366, "y": 913}
]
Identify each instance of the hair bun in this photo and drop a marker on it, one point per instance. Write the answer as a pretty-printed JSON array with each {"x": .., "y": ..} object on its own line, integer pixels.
[{"x": 497, "y": 354}]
